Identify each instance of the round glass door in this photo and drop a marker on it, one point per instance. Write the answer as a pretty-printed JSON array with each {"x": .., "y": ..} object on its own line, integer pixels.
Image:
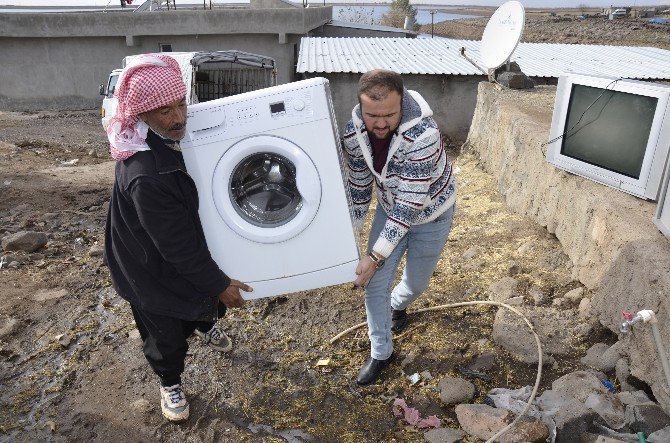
[{"x": 264, "y": 191}]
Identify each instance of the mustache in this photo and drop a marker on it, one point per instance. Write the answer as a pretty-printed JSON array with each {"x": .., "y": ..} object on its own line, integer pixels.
[{"x": 177, "y": 126}]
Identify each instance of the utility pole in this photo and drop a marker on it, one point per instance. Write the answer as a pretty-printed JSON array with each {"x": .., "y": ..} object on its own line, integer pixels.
[{"x": 432, "y": 22}]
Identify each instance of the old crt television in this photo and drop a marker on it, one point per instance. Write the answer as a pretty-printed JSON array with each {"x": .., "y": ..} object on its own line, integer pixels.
[{"x": 612, "y": 131}]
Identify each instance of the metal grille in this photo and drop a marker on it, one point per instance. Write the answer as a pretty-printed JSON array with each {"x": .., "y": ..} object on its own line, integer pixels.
[{"x": 216, "y": 83}]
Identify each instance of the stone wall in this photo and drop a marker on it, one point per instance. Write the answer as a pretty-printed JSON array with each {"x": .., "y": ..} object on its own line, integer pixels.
[{"x": 617, "y": 252}]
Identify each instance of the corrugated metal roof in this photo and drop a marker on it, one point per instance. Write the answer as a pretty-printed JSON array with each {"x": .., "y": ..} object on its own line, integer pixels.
[{"x": 442, "y": 56}]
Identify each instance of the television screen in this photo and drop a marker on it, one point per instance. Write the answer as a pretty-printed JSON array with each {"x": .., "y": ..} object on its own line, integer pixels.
[{"x": 609, "y": 129}]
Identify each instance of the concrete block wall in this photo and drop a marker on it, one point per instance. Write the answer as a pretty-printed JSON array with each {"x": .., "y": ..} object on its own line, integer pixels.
[
  {"x": 616, "y": 250},
  {"x": 57, "y": 61}
]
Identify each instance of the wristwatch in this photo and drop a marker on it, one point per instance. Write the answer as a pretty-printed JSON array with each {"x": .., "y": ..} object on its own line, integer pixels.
[{"x": 379, "y": 262}]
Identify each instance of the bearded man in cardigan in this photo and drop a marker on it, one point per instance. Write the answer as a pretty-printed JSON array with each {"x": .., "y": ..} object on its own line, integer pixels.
[{"x": 394, "y": 145}]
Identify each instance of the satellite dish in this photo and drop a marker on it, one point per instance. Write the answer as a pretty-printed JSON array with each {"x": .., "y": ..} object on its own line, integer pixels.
[{"x": 502, "y": 34}]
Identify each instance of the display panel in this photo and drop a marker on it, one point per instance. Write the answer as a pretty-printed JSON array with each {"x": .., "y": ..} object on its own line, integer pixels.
[
  {"x": 612, "y": 131},
  {"x": 608, "y": 128}
]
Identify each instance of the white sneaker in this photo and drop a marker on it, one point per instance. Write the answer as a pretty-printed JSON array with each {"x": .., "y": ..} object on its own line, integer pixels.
[
  {"x": 173, "y": 403},
  {"x": 215, "y": 338}
]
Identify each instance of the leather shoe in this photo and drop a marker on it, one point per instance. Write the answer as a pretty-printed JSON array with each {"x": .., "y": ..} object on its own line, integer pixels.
[
  {"x": 399, "y": 320},
  {"x": 371, "y": 370}
]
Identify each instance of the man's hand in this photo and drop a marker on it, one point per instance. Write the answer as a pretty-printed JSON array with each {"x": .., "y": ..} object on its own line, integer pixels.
[
  {"x": 231, "y": 296},
  {"x": 365, "y": 270}
]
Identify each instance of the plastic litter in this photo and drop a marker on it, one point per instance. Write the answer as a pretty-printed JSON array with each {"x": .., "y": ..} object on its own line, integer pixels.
[
  {"x": 608, "y": 385},
  {"x": 412, "y": 416}
]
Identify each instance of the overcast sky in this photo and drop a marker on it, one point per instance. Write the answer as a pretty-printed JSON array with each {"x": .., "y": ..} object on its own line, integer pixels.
[{"x": 526, "y": 3}]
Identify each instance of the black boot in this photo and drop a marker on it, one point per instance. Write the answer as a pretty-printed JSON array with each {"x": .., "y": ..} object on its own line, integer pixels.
[
  {"x": 399, "y": 320},
  {"x": 371, "y": 370}
]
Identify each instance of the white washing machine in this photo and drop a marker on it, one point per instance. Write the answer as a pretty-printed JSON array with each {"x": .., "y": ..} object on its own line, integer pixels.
[{"x": 273, "y": 201}]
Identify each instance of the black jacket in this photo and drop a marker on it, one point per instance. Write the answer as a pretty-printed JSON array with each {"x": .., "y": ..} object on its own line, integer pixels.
[{"x": 154, "y": 243}]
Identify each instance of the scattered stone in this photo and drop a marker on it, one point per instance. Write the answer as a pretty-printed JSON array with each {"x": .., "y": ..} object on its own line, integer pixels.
[
  {"x": 13, "y": 265},
  {"x": 134, "y": 335},
  {"x": 576, "y": 385},
  {"x": 49, "y": 294},
  {"x": 527, "y": 429},
  {"x": 515, "y": 301},
  {"x": 36, "y": 256},
  {"x": 646, "y": 418},
  {"x": 63, "y": 340},
  {"x": 622, "y": 372},
  {"x": 515, "y": 80},
  {"x": 455, "y": 390},
  {"x": 593, "y": 357},
  {"x": 96, "y": 251},
  {"x": 610, "y": 357},
  {"x": 560, "y": 302},
  {"x": 575, "y": 296},
  {"x": 408, "y": 360},
  {"x": 634, "y": 398},
  {"x": 27, "y": 241},
  {"x": 608, "y": 407},
  {"x": 503, "y": 289},
  {"x": 142, "y": 405},
  {"x": 555, "y": 328},
  {"x": 471, "y": 253},
  {"x": 661, "y": 436},
  {"x": 585, "y": 308},
  {"x": 444, "y": 435},
  {"x": 482, "y": 421},
  {"x": 8, "y": 326},
  {"x": 514, "y": 268},
  {"x": 538, "y": 296},
  {"x": 572, "y": 419},
  {"x": 426, "y": 375},
  {"x": 482, "y": 362},
  {"x": 525, "y": 248}
]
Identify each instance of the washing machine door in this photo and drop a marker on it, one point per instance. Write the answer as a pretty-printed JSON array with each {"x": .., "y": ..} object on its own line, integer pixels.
[{"x": 266, "y": 189}]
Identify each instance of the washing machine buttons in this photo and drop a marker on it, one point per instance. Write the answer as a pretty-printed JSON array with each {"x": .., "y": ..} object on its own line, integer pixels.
[{"x": 298, "y": 105}]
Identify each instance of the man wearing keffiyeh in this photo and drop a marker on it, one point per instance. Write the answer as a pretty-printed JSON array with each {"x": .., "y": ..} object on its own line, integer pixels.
[{"x": 154, "y": 242}]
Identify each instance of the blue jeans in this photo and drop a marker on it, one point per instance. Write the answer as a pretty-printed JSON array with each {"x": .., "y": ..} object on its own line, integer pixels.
[{"x": 423, "y": 244}]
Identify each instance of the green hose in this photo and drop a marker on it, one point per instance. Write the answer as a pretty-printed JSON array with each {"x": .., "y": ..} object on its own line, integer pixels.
[{"x": 640, "y": 437}]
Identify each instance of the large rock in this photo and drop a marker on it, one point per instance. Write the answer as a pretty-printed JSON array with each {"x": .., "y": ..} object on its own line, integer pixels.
[
  {"x": 455, "y": 390},
  {"x": 503, "y": 289},
  {"x": 27, "y": 241},
  {"x": 443, "y": 435},
  {"x": 602, "y": 357},
  {"x": 621, "y": 258},
  {"x": 555, "y": 329},
  {"x": 572, "y": 419},
  {"x": 526, "y": 430},
  {"x": 482, "y": 421},
  {"x": 647, "y": 418}
]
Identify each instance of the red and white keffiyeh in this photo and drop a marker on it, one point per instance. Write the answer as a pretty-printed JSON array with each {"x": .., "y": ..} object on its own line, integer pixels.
[{"x": 147, "y": 83}]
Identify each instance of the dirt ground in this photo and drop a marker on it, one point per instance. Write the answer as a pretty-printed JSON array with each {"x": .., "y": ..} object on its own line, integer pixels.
[
  {"x": 563, "y": 27},
  {"x": 94, "y": 385},
  {"x": 72, "y": 368}
]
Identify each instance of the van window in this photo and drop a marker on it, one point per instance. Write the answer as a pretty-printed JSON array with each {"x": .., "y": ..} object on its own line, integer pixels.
[
  {"x": 165, "y": 47},
  {"x": 111, "y": 86}
]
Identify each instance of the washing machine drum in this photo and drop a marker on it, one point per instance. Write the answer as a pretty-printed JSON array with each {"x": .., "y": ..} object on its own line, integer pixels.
[{"x": 266, "y": 189}]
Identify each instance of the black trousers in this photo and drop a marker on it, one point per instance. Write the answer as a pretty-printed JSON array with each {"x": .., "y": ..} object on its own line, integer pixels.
[{"x": 165, "y": 341}]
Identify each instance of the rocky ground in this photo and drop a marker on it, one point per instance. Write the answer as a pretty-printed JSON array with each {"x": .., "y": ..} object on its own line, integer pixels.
[
  {"x": 565, "y": 27},
  {"x": 72, "y": 367}
]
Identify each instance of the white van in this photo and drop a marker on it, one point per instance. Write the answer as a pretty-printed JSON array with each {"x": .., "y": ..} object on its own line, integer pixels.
[{"x": 208, "y": 76}]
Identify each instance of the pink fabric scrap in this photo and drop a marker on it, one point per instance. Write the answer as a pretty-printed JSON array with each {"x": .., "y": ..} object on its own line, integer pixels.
[{"x": 412, "y": 416}]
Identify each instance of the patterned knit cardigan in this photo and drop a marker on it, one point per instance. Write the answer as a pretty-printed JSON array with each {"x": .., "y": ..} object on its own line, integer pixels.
[{"x": 416, "y": 184}]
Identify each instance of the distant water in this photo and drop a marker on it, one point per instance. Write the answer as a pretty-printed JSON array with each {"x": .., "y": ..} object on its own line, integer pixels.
[{"x": 372, "y": 15}]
